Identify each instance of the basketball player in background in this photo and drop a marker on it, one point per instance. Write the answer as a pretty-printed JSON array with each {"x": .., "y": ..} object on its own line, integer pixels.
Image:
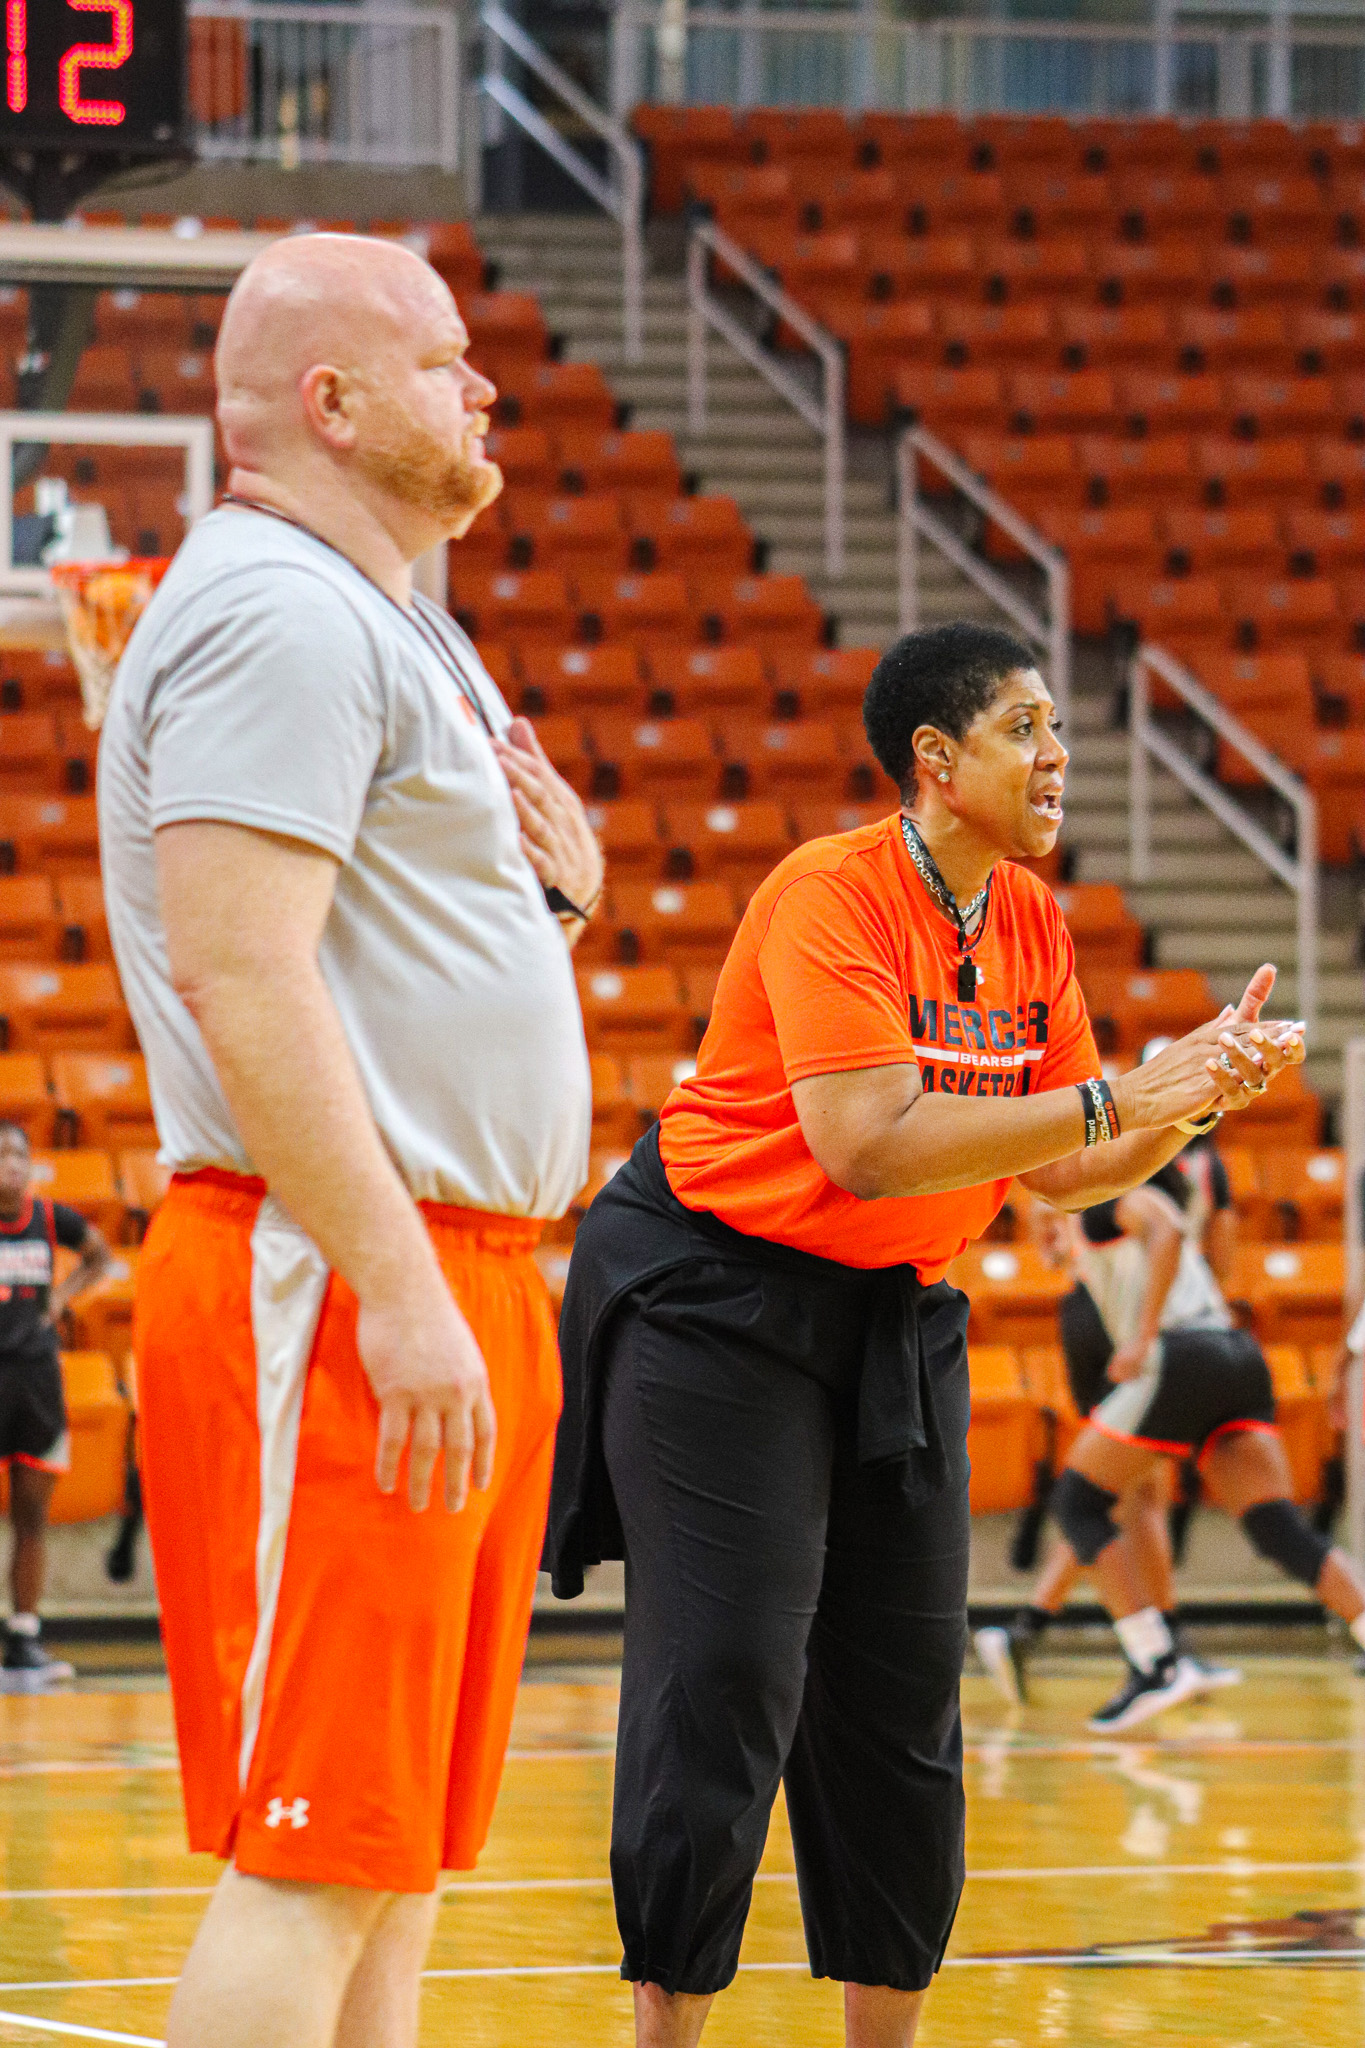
[
  {"x": 33, "y": 1435},
  {"x": 1197, "y": 1181},
  {"x": 342, "y": 888}
]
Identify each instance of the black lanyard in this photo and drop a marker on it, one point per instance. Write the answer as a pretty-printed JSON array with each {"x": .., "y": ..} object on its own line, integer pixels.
[
  {"x": 927, "y": 869},
  {"x": 417, "y": 619}
]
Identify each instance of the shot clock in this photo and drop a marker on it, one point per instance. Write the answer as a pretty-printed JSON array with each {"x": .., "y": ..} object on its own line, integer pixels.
[{"x": 94, "y": 76}]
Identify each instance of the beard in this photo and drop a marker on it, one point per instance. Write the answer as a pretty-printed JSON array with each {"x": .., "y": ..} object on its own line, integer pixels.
[{"x": 429, "y": 474}]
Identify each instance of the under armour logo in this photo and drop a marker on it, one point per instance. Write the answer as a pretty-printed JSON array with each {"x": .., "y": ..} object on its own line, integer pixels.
[{"x": 277, "y": 1813}]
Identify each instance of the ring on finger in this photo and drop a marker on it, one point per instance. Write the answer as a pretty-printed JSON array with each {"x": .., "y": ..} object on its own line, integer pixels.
[{"x": 1226, "y": 1064}]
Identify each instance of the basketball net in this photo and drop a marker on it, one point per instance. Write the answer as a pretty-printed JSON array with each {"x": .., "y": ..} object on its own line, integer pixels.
[{"x": 101, "y": 603}]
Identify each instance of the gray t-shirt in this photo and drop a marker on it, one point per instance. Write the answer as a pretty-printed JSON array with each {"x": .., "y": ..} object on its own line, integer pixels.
[{"x": 270, "y": 684}]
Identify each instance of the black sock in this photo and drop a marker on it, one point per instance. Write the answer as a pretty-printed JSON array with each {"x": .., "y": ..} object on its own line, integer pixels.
[{"x": 1169, "y": 1616}]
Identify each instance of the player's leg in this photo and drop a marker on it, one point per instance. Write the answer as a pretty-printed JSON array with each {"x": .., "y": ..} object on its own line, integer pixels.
[
  {"x": 1005, "y": 1652},
  {"x": 379, "y": 2009},
  {"x": 724, "y": 1525},
  {"x": 1099, "y": 1471},
  {"x": 873, "y": 1782},
  {"x": 271, "y": 1963},
  {"x": 1247, "y": 1473},
  {"x": 1147, "y": 1526},
  {"x": 30, "y": 1491}
]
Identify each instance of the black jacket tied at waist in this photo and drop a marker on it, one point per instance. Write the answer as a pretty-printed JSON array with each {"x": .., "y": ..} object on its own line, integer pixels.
[{"x": 635, "y": 1233}]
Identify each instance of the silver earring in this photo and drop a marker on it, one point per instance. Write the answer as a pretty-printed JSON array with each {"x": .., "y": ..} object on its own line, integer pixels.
[{"x": 943, "y": 775}]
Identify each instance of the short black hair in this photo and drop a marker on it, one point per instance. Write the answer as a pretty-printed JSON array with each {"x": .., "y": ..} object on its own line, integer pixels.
[
  {"x": 943, "y": 677},
  {"x": 9, "y": 1129}
]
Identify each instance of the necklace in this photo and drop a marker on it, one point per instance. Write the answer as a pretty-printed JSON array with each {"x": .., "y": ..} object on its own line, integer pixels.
[
  {"x": 926, "y": 867},
  {"x": 417, "y": 620}
]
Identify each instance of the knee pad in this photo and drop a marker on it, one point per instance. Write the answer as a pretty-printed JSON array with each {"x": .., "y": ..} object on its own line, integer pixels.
[
  {"x": 1084, "y": 1513},
  {"x": 1283, "y": 1533}
]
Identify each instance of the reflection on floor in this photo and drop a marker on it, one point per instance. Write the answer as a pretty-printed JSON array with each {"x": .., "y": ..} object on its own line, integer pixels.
[{"x": 1205, "y": 1885}]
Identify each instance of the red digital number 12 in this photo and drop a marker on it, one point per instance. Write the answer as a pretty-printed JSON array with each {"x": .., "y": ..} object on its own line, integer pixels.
[{"x": 95, "y": 57}]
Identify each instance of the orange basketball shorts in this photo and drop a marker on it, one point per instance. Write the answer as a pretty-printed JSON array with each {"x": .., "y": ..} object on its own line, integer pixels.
[{"x": 343, "y": 1670}]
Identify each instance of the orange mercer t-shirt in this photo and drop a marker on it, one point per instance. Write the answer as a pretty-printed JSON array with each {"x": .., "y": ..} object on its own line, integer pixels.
[{"x": 843, "y": 960}]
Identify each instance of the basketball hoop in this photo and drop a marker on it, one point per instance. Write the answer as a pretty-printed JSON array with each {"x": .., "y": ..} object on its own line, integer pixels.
[{"x": 101, "y": 603}]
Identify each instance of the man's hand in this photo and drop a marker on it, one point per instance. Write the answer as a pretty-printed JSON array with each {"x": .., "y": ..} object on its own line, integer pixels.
[
  {"x": 1128, "y": 1361},
  {"x": 555, "y": 834},
  {"x": 429, "y": 1379}
]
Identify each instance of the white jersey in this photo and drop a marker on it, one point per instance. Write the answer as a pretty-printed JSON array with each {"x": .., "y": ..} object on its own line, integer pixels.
[
  {"x": 1114, "y": 1273},
  {"x": 270, "y": 684}
]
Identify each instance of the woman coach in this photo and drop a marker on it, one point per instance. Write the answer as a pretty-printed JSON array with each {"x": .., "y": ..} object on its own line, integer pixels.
[{"x": 766, "y": 1373}]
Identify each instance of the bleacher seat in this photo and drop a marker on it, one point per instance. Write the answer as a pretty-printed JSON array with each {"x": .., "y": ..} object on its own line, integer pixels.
[
  {"x": 1013, "y": 1294},
  {"x": 1002, "y": 1435},
  {"x": 84, "y": 1180},
  {"x": 103, "y": 1100},
  {"x": 634, "y": 1009},
  {"x": 62, "y": 1009},
  {"x": 1293, "y": 1291},
  {"x": 98, "y": 1417},
  {"x": 142, "y": 1181},
  {"x": 31, "y": 926},
  {"x": 680, "y": 924},
  {"x": 1155, "y": 1002}
]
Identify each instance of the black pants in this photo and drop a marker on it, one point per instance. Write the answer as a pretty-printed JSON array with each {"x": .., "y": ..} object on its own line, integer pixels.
[{"x": 789, "y": 1614}]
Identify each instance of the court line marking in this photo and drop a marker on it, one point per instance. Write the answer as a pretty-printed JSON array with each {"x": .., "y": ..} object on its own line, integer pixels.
[
  {"x": 1229, "y": 1866},
  {"x": 22, "y": 2019}
]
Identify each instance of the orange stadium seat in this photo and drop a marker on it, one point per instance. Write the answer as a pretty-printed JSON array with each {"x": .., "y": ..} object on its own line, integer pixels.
[
  {"x": 769, "y": 759},
  {"x": 677, "y": 138},
  {"x": 651, "y": 1079},
  {"x": 62, "y": 1009},
  {"x": 451, "y": 249},
  {"x": 785, "y": 134},
  {"x": 526, "y": 459},
  {"x": 768, "y": 608},
  {"x": 1208, "y": 542},
  {"x": 948, "y": 402},
  {"x": 1328, "y": 342},
  {"x": 878, "y": 340},
  {"x": 695, "y": 680},
  {"x": 648, "y": 607},
  {"x": 83, "y": 1180},
  {"x": 680, "y": 924},
  {"x": 624, "y": 461},
  {"x": 1009, "y": 337},
  {"x": 570, "y": 534},
  {"x": 1103, "y": 929},
  {"x": 822, "y": 817},
  {"x": 1154, "y": 402},
  {"x": 572, "y": 679},
  {"x": 99, "y": 1418},
  {"x": 691, "y": 535},
  {"x": 634, "y": 1009},
  {"x": 1066, "y": 401},
  {"x": 30, "y": 754},
  {"x": 530, "y": 605},
  {"x": 85, "y": 927},
  {"x": 743, "y": 197},
  {"x": 926, "y": 266},
  {"x": 1050, "y": 202},
  {"x": 547, "y": 394},
  {"x": 850, "y": 199},
  {"x": 1184, "y": 609},
  {"x": 1251, "y": 683},
  {"x": 56, "y": 834},
  {"x": 1288, "y": 1114},
  {"x": 103, "y": 1099},
  {"x": 628, "y": 831},
  {"x": 615, "y": 1121},
  {"x": 1307, "y": 1187},
  {"x": 1166, "y": 272},
  {"x": 1294, "y": 1292},
  {"x": 1013, "y": 1294},
  {"x": 1251, "y": 276},
  {"x": 25, "y": 1098},
  {"x": 828, "y": 682},
  {"x": 737, "y": 843},
  {"x": 102, "y": 1317},
  {"x": 30, "y": 923},
  {"x": 38, "y": 678},
  {"x": 1212, "y": 339},
  {"x": 1101, "y": 546},
  {"x": 1320, "y": 541},
  {"x": 506, "y": 330},
  {"x": 1111, "y": 337},
  {"x": 1158, "y": 472},
  {"x": 672, "y": 756},
  {"x": 1151, "y": 1003},
  {"x": 1044, "y": 1370},
  {"x": 949, "y": 202},
  {"x": 1003, "y": 1437}
]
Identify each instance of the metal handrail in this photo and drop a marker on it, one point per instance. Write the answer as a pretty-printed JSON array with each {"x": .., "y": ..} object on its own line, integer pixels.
[
  {"x": 824, "y": 414},
  {"x": 624, "y": 199},
  {"x": 1146, "y": 740},
  {"x": 1051, "y": 631}
]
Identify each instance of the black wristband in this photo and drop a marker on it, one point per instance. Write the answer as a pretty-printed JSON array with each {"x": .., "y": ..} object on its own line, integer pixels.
[
  {"x": 564, "y": 906},
  {"x": 1101, "y": 1117}
]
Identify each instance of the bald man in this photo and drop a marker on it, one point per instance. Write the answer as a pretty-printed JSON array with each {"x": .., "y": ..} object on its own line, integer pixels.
[{"x": 343, "y": 884}]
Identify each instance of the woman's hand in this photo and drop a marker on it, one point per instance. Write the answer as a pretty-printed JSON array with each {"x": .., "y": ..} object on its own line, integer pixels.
[
  {"x": 1222, "y": 1066},
  {"x": 555, "y": 834}
]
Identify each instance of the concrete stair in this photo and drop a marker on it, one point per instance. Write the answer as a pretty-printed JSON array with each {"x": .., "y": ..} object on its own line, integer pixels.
[{"x": 1210, "y": 903}]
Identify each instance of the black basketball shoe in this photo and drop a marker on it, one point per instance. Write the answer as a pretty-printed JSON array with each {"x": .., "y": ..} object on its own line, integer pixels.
[{"x": 1146, "y": 1693}]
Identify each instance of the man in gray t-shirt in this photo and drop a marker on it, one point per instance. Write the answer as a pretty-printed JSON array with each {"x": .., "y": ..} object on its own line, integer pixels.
[{"x": 343, "y": 883}]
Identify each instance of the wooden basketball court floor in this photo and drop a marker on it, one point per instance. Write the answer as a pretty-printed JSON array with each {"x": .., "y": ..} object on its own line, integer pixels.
[{"x": 1204, "y": 1885}]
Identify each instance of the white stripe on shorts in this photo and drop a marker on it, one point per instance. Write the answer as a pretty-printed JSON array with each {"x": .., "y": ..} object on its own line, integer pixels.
[{"x": 288, "y": 1281}]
